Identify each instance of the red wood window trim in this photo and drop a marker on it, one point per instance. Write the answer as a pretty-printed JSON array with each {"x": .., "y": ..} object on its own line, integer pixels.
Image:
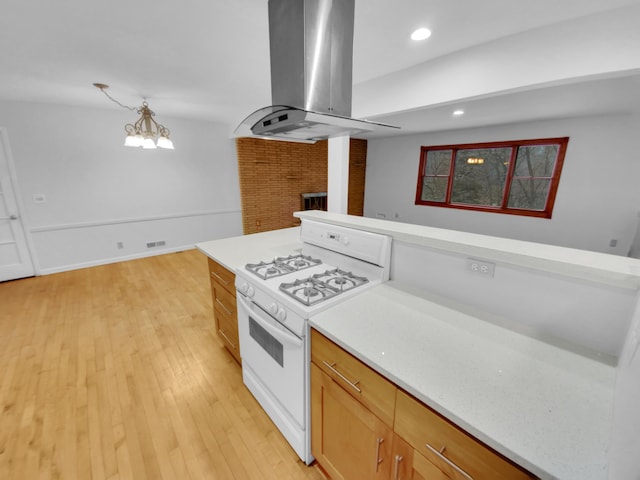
[{"x": 554, "y": 179}]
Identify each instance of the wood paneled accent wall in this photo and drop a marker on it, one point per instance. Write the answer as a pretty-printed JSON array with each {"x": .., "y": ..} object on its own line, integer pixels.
[
  {"x": 273, "y": 175},
  {"x": 357, "y": 170}
]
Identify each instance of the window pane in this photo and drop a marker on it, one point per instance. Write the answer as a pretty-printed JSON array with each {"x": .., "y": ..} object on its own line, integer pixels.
[
  {"x": 434, "y": 189},
  {"x": 529, "y": 193},
  {"x": 536, "y": 161},
  {"x": 514, "y": 177},
  {"x": 438, "y": 162},
  {"x": 479, "y": 176}
]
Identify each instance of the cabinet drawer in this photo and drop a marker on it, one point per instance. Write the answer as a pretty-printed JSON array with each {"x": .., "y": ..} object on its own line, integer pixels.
[
  {"x": 228, "y": 329},
  {"x": 364, "y": 384},
  {"x": 224, "y": 300},
  {"x": 420, "y": 426},
  {"x": 222, "y": 275}
]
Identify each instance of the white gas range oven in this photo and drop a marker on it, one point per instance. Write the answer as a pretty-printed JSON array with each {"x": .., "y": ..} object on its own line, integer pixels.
[{"x": 277, "y": 297}]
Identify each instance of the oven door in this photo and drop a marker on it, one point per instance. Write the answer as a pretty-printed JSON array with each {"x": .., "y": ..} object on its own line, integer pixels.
[{"x": 273, "y": 368}]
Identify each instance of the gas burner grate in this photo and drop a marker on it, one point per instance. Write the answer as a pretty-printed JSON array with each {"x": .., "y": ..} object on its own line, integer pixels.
[
  {"x": 267, "y": 270},
  {"x": 282, "y": 266},
  {"x": 308, "y": 290},
  {"x": 340, "y": 279},
  {"x": 298, "y": 262},
  {"x": 322, "y": 286}
]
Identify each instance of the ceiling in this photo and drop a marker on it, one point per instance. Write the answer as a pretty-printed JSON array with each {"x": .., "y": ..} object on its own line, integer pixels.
[{"x": 205, "y": 59}]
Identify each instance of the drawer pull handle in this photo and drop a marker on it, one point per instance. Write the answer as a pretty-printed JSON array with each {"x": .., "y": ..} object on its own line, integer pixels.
[
  {"x": 448, "y": 462},
  {"x": 396, "y": 467},
  {"x": 353, "y": 385},
  {"x": 223, "y": 307},
  {"x": 219, "y": 278},
  {"x": 378, "y": 459}
]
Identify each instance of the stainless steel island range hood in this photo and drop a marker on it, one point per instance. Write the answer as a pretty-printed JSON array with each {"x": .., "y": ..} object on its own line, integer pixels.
[{"x": 311, "y": 44}]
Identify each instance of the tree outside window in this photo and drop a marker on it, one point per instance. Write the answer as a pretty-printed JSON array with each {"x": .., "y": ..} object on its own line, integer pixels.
[{"x": 515, "y": 177}]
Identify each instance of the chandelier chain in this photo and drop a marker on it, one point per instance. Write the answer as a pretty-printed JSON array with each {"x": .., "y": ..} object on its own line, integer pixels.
[{"x": 133, "y": 109}]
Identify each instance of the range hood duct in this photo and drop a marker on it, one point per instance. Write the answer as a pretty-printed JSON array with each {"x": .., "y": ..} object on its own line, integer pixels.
[{"x": 311, "y": 45}]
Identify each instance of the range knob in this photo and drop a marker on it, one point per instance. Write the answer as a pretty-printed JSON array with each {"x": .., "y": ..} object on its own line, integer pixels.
[
  {"x": 278, "y": 312},
  {"x": 247, "y": 290},
  {"x": 346, "y": 240}
]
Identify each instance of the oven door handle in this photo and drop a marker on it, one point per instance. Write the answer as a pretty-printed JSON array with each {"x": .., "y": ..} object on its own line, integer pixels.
[{"x": 289, "y": 338}]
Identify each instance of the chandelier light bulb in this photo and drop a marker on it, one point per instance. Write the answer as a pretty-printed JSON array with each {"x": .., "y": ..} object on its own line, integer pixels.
[
  {"x": 148, "y": 144},
  {"x": 164, "y": 142},
  {"x": 130, "y": 141}
]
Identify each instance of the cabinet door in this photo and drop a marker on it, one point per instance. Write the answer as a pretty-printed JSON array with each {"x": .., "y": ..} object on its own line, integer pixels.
[
  {"x": 408, "y": 464},
  {"x": 347, "y": 440},
  {"x": 368, "y": 387}
]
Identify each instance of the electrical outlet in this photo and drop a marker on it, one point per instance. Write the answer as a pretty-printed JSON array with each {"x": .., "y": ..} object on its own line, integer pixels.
[
  {"x": 120, "y": 245},
  {"x": 481, "y": 267}
]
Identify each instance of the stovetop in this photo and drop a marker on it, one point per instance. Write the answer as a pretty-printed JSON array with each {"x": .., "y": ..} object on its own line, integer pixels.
[
  {"x": 305, "y": 279},
  {"x": 334, "y": 264}
]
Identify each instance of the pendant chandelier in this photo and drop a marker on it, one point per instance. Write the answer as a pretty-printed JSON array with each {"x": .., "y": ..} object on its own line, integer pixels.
[{"x": 145, "y": 132}]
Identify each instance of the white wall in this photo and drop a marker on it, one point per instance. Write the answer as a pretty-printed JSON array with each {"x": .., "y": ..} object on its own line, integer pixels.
[
  {"x": 554, "y": 308},
  {"x": 598, "y": 198},
  {"x": 99, "y": 193}
]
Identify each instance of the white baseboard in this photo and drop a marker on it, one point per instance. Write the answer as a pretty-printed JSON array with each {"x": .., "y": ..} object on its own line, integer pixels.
[{"x": 106, "y": 261}]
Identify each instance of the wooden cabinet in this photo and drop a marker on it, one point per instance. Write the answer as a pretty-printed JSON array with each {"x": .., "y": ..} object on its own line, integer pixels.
[
  {"x": 223, "y": 293},
  {"x": 456, "y": 453},
  {"x": 363, "y": 426},
  {"x": 351, "y": 414},
  {"x": 347, "y": 440},
  {"x": 367, "y": 386}
]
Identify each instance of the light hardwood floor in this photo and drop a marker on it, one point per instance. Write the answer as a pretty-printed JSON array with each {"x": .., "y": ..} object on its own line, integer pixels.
[{"x": 115, "y": 372}]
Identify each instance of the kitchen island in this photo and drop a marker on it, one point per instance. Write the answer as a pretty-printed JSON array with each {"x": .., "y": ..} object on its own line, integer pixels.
[{"x": 543, "y": 401}]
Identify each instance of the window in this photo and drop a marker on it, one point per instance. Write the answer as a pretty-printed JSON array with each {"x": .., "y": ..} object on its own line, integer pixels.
[{"x": 517, "y": 177}]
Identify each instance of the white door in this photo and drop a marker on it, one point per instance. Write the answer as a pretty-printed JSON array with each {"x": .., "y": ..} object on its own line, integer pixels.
[{"x": 15, "y": 258}]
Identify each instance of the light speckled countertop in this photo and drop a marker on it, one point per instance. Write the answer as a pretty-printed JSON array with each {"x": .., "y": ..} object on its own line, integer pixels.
[
  {"x": 236, "y": 252},
  {"x": 545, "y": 408}
]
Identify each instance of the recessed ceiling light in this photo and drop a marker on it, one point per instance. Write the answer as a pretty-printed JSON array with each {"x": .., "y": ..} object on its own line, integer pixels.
[
  {"x": 421, "y": 34},
  {"x": 458, "y": 112}
]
